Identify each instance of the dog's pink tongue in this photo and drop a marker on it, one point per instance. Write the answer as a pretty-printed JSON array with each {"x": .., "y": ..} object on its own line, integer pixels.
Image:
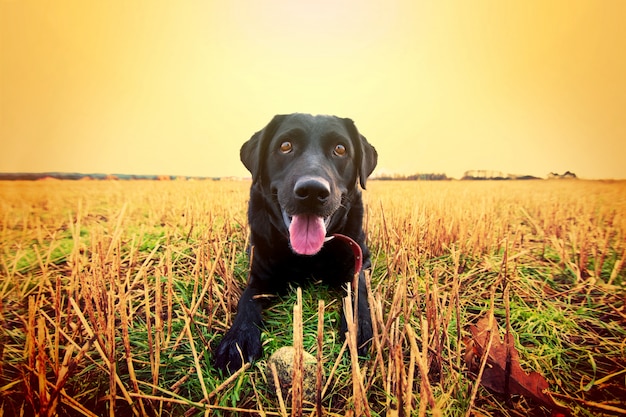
[{"x": 307, "y": 233}]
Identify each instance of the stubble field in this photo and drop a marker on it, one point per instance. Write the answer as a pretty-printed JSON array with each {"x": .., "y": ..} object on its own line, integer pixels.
[{"x": 114, "y": 294}]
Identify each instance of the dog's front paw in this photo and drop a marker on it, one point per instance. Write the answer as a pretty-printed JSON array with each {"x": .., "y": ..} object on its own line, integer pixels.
[{"x": 240, "y": 345}]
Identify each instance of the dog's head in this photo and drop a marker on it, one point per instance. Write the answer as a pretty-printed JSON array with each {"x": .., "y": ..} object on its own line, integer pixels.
[{"x": 308, "y": 164}]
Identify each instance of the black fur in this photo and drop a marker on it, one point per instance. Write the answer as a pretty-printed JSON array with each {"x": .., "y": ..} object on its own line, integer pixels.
[{"x": 277, "y": 179}]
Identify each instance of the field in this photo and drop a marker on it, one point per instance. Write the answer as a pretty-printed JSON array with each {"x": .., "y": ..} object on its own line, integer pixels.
[{"x": 113, "y": 295}]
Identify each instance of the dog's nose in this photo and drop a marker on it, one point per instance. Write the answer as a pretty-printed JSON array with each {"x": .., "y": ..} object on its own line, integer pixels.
[{"x": 312, "y": 191}]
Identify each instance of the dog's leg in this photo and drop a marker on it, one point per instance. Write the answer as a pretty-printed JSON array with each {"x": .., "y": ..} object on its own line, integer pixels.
[
  {"x": 364, "y": 336},
  {"x": 365, "y": 319},
  {"x": 242, "y": 343}
]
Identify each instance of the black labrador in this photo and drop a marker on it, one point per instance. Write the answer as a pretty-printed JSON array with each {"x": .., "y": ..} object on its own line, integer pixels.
[{"x": 306, "y": 172}]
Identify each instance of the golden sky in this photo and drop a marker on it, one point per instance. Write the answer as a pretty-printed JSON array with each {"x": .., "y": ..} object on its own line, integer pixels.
[{"x": 524, "y": 87}]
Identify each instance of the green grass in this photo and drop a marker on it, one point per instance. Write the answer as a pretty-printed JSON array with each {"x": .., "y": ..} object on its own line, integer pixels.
[{"x": 113, "y": 296}]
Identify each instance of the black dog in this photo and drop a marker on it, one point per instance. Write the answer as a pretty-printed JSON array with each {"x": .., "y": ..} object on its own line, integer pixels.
[{"x": 305, "y": 175}]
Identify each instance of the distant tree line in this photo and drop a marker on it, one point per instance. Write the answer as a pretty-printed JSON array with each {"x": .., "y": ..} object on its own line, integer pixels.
[
  {"x": 481, "y": 174},
  {"x": 566, "y": 175},
  {"x": 413, "y": 177},
  {"x": 471, "y": 175}
]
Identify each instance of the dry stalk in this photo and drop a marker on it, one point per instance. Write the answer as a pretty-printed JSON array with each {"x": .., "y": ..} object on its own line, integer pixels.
[
  {"x": 40, "y": 368},
  {"x": 170, "y": 293},
  {"x": 155, "y": 361},
  {"x": 100, "y": 350},
  {"x": 361, "y": 406},
  {"x": 334, "y": 368},
  {"x": 376, "y": 311},
  {"x": 426, "y": 391},
  {"x": 617, "y": 268},
  {"x": 298, "y": 358},
  {"x": 457, "y": 306},
  {"x": 196, "y": 359},
  {"x": 31, "y": 356},
  {"x": 611, "y": 409},
  {"x": 207, "y": 283},
  {"x": 389, "y": 363},
  {"x": 398, "y": 373},
  {"x": 124, "y": 322},
  {"x": 58, "y": 316},
  {"x": 66, "y": 399},
  {"x": 154, "y": 348},
  {"x": 111, "y": 354},
  {"x": 258, "y": 398},
  {"x": 413, "y": 355},
  {"x": 485, "y": 357},
  {"x": 229, "y": 380},
  {"x": 436, "y": 322},
  {"x": 507, "y": 345},
  {"x": 319, "y": 374},
  {"x": 279, "y": 392},
  {"x": 63, "y": 373}
]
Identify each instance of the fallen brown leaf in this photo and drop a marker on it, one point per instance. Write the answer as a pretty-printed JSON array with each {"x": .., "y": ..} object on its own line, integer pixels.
[{"x": 498, "y": 376}]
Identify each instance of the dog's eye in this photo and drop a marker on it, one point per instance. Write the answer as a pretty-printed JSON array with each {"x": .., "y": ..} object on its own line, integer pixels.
[
  {"x": 286, "y": 147},
  {"x": 340, "y": 150}
]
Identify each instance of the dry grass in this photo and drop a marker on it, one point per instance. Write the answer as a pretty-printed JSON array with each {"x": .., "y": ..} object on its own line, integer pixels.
[{"x": 113, "y": 294}]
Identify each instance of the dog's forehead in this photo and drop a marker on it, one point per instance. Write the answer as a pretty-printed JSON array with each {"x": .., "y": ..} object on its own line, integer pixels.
[{"x": 319, "y": 126}]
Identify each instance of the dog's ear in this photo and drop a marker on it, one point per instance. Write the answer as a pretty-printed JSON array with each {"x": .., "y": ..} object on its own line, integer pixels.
[
  {"x": 369, "y": 159},
  {"x": 366, "y": 155},
  {"x": 254, "y": 152}
]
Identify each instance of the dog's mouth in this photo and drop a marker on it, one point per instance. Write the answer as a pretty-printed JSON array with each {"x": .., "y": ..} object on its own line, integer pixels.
[{"x": 307, "y": 232}]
